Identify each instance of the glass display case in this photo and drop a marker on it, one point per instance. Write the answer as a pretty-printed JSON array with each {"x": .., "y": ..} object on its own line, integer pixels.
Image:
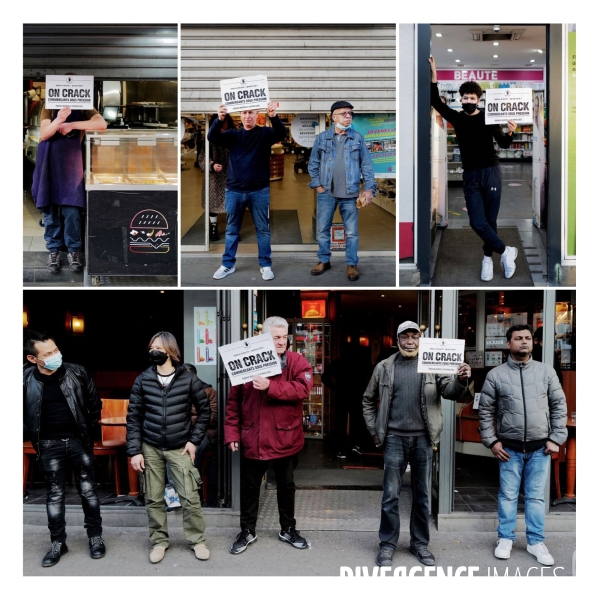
[
  {"x": 312, "y": 339},
  {"x": 131, "y": 184}
]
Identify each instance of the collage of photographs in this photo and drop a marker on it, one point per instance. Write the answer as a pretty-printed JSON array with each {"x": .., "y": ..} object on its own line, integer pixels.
[{"x": 299, "y": 299}]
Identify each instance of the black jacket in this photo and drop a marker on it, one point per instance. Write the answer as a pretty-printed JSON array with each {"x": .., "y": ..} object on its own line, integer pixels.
[
  {"x": 81, "y": 394},
  {"x": 162, "y": 417}
]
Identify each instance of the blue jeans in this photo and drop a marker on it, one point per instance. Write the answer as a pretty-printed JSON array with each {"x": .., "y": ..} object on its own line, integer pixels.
[
  {"x": 534, "y": 468},
  {"x": 235, "y": 206},
  {"x": 397, "y": 453},
  {"x": 326, "y": 205},
  {"x": 483, "y": 189},
  {"x": 53, "y": 459},
  {"x": 55, "y": 232}
]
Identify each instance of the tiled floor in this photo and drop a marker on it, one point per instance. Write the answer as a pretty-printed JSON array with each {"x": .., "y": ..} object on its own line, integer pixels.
[{"x": 377, "y": 224}]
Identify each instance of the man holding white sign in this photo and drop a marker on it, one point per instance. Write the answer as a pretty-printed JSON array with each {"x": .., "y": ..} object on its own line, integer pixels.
[
  {"x": 58, "y": 179},
  {"x": 408, "y": 423},
  {"x": 482, "y": 180},
  {"x": 265, "y": 416},
  {"x": 248, "y": 179}
]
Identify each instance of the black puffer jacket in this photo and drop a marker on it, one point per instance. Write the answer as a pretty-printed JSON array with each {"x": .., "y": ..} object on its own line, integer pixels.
[
  {"x": 162, "y": 417},
  {"x": 81, "y": 395}
]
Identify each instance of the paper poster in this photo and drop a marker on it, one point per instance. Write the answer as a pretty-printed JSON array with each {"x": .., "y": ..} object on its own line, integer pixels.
[
  {"x": 247, "y": 358},
  {"x": 245, "y": 93},
  {"x": 304, "y": 129},
  {"x": 440, "y": 355},
  {"x": 205, "y": 335},
  {"x": 474, "y": 358},
  {"x": 69, "y": 91},
  {"x": 493, "y": 358},
  {"x": 509, "y": 103},
  {"x": 379, "y": 133}
]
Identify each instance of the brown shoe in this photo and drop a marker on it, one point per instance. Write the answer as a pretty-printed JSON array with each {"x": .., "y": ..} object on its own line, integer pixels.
[
  {"x": 320, "y": 268},
  {"x": 352, "y": 273}
]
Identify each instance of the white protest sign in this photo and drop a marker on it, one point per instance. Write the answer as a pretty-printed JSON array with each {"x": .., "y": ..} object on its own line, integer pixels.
[
  {"x": 69, "y": 91},
  {"x": 440, "y": 355},
  {"x": 245, "y": 93},
  {"x": 247, "y": 358},
  {"x": 304, "y": 129},
  {"x": 502, "y": 105}
]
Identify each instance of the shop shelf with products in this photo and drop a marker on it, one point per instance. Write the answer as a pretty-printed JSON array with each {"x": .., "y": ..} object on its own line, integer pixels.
[
  {"x": 521, "y": 148},
  {"x": 312, "y": 339}
]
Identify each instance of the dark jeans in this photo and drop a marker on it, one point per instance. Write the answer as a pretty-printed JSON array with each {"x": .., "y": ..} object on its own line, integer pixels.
[
  {"x": 251, "y": 476},
  {"x": 483, "y": 189},
  {"x": 54, "y": 456},
  {"x": 397, "y": 453},
  {"x": 62, "y": 223}
]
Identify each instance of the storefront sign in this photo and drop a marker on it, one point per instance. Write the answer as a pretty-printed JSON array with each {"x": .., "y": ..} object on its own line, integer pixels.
[
  {"x": 495, "y": 342},
  {"x": 379, "y": 133},
  {"x": 245, "y": 93},
  {"x": 489, "y": 75},
  {"x": 205, "y": 335},
  {"x": 69, "y": 91},
  {"x": 313, "y": 308},
  {"x": 247, "y": 358},
  {"x": 304, "y": 129},
  {"x": 502, "y": 105},
  {"x": 440, "y": 355}
]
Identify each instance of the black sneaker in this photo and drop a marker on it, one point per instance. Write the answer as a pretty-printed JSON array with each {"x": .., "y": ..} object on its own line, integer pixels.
[
  {"x": 357, "y": 450},
  {"x": 292, "y": 537},
  {"x": 242, "y": 541},
  {"x": 341, "y": 455},
  {"x": 74, "y": 262},
  {"x": 423, "y": 554},
  {"x": 57, "y": 549},
  {"x": 53, "y": 265},
  {"x": 385, "y": 556},
  {"x": 97, "y": 547}
]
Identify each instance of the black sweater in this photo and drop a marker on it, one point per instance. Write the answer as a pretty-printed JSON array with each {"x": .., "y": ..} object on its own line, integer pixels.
[
  {"x": 475, "y": 138},
  {"x": 249, "y": 153}
]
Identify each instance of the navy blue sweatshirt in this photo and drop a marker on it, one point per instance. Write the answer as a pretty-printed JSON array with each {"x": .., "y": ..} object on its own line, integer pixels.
[{"x": 249, "y": 153}]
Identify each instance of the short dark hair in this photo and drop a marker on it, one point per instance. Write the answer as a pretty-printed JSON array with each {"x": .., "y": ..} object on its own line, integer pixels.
[
  {"x": 470, "y": 87},
  {"x": 30, "y": 338},
  {"x": 539, "y": 334},
  {"x": 169, "y": 344},
  {"x": 516, "y": 328}
]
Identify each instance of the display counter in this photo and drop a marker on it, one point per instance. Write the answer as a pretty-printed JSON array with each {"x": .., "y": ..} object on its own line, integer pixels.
[{"x": 131, "y": 185}]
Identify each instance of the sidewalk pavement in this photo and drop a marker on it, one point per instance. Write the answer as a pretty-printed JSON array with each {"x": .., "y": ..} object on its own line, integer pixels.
[
  {"x": 290, "y": 269},
  {"x": 128, "y": 549}
]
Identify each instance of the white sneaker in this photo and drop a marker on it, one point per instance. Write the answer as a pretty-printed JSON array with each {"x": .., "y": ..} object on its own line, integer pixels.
[
  {"x": 222, "y": 272},
  {"x": 540, "y": 551},
  {"x": 267, "y": 273},
  {"x": 503, "y": 549},
  {"x": 487, "y": 269},
  {"x": 508, "y": 261}
]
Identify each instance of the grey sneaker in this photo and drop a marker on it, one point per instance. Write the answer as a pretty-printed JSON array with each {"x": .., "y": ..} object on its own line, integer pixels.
[
  {"x": 53, "y": 265},
  {"x": 384, "y": 558},
  {"x": 74, "y": 262},
  {"x": 267, "y": 273}
]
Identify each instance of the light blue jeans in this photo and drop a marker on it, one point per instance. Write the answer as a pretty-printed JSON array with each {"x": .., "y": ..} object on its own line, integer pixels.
[
  {"x": 326, "y": 205},
  {"x": 533, "y": 468},
  {"x": 235, "y": 206}
]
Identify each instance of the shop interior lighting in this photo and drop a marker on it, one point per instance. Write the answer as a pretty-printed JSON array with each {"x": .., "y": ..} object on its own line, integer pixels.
[
  {"x": 532, "y": 60},
  {"x": 438, "y": 35},
  {"x": 450, "y": 50},
  {"x": 25, "y": 317},
  {"x": 496, "y": 43},
  {"x": 495, "y": 56},
  {"x": 457, "y": 60},
  {"x": 540, "y": 51},
  {"x": 77, "y": 325}
]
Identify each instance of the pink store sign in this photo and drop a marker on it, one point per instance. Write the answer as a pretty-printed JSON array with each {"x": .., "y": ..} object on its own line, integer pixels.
[{"x": 490, "y": 75}]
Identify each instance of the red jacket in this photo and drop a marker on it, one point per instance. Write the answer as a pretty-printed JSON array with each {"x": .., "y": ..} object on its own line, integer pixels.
[{"x": 268, "y": 423}]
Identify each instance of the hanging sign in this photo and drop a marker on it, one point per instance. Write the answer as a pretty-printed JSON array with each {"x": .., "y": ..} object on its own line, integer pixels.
[
  {"x": 205, "y": 335},
  {"x": 502, "y": 105},
  {"x": 247, "y": 358},
  {"x": 304, "y": 129},
  {"x": 245, "y": 93},
  {"x": 69, "y": 91},
  {"x": 440, "y": 355}
]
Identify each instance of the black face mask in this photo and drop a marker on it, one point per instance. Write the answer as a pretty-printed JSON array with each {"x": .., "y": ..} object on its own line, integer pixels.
[
  {"x": 469, "y": 108},
  {"x": 157, "y": 357}
]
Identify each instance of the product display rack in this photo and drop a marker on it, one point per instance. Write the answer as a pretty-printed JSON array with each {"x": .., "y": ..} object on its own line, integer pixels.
[{"x": 312, "y": 339}]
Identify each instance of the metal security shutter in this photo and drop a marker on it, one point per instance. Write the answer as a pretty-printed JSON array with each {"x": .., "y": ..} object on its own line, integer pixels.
[
  {"x": 309, "y": 67},
  {"x": 108, "y": 52}
]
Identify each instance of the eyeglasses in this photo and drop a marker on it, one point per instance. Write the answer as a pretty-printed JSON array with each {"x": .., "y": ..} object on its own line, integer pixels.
[{"x": 344, "y": 114}]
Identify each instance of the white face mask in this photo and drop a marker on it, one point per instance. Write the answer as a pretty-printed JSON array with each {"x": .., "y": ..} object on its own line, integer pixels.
[{"x": 342, "y": 127}]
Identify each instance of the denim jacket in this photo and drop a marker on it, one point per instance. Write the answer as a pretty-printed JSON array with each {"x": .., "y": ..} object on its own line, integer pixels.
[{"x": 356, "y": 157}]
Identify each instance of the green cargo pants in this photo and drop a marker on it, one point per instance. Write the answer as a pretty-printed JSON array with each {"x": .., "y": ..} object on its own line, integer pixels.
[{"x": 184, "y": 475}]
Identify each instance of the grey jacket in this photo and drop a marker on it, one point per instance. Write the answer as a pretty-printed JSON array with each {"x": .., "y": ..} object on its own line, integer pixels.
[
  {"x": 526, "y": 401},
  {"x": 433, "y": 389}
]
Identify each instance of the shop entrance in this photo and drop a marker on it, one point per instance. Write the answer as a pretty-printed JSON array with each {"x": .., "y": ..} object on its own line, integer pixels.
[
  {"x": 293, "y": 203},
  {"x": 496, "y": 57}
]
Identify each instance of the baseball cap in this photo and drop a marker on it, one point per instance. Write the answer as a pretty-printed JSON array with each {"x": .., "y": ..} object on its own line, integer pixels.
[{"x": 408, "y": 325}]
